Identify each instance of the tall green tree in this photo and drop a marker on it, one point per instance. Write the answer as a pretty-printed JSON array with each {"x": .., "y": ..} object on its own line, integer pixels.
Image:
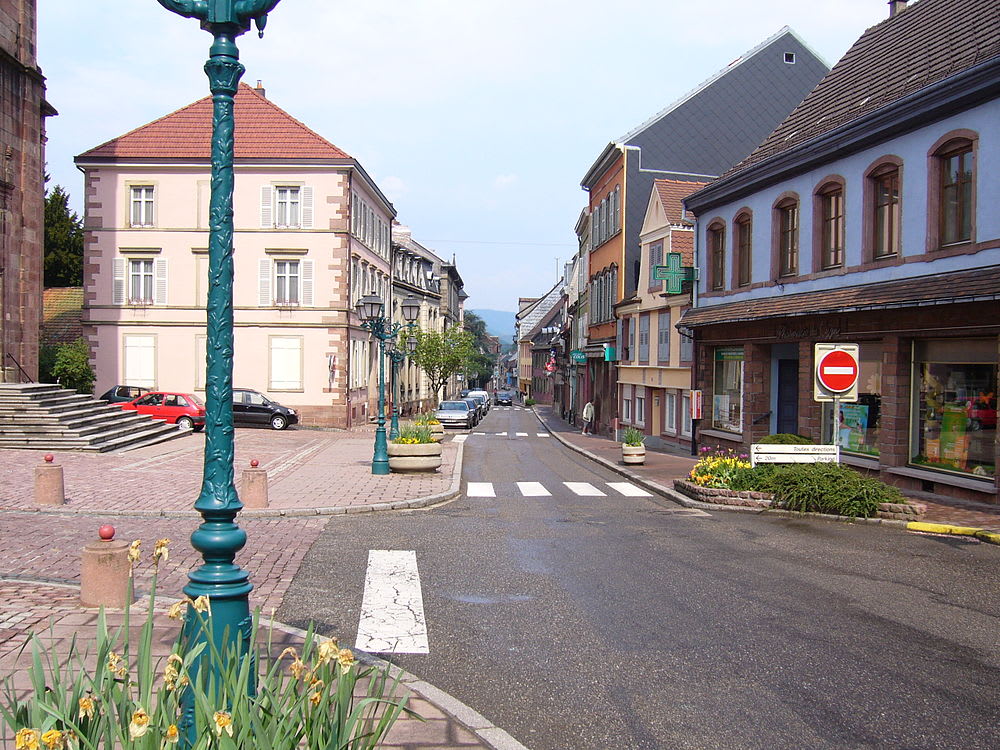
[
  {"x": 63, "y": 241},
  {"x": 441, "y": 355},
  {"x": 482, "y": 362}
]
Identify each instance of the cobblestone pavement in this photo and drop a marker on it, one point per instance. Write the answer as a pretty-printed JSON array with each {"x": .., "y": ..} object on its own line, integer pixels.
[
  {"x": 663, "y": 468},
  {"x": 148, "y": 494}
]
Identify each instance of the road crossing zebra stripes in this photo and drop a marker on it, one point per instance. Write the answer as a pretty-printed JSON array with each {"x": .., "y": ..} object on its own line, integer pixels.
[{"x": 537, "y": 489}]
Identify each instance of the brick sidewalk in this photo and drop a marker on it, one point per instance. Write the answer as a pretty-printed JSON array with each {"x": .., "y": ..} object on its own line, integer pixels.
[{"x": 663, "y": 468}]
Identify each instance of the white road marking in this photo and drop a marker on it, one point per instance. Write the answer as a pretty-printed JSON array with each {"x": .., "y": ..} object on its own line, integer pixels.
[
  {"x": 478, "y": 433},
  {"x": 502, "y": 433},
  {"x": 629, "y": 490},
  {"x": 480, "y": 489},
  {"x": 392, "y": 609},
  {"x": 533, "y": 489},
  {"x": 459, "y": 438},
  {"x": 521, "y": 434},
  {"x": 584, "y": 489},
  {"x": 541, "y": 434}
]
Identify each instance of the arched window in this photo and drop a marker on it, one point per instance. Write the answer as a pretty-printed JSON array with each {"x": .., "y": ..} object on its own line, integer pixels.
[
  {"x": 828, "y": 221},
  {"x": 716, "y": 244},
  {"x": 883, "y": 203},
  {"x": 743, "y": 247},
  {"x": 786, "y": 236}
]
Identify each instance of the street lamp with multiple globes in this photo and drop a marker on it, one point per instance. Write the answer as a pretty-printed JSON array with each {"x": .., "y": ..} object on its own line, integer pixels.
[
  {"x": 370, "y": 310},
  {"x": 397, "y": 357}
]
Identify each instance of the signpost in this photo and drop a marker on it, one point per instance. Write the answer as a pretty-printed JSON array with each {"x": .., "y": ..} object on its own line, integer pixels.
[
  {"x": 793, "y": 454},
  {"x": 838, "y": 368}
]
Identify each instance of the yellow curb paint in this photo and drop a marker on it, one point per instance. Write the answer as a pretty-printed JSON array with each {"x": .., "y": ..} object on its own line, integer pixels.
[
  {"x": 942, "y": 528},
  {"x": 988, "y": 536}
]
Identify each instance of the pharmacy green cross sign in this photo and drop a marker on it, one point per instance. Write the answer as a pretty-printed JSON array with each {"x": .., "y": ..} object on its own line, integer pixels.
[{"x": 674, "y": 274}]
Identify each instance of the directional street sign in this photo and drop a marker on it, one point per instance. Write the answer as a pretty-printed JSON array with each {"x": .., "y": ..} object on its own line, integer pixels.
[
  {"x": 837, "y": 371},
  {"x": 674, "y": 274}
]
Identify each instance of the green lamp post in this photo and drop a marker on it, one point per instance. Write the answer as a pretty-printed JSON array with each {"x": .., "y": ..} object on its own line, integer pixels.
[
  {"x": 397, "y": 357},
  {"x": 370, "y": 310},
  {"x": 219, "y": 537}
]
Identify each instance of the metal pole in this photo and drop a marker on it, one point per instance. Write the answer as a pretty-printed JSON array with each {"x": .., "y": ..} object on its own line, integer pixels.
[
  {"x": 393, "y": 390},
  {"x": 380, "y": 459}
]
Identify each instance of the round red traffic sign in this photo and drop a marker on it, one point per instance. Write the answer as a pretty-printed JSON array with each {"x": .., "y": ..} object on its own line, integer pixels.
[{"x": 837, "y": 371}]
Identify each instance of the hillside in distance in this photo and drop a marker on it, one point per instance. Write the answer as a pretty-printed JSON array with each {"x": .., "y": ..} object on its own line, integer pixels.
[{"x": 498, "y": 323}]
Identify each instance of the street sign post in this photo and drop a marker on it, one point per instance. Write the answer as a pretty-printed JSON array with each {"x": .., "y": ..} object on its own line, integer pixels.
[
  {"x": 696, "y": 405},
  {"x": 837, "y": 372}
]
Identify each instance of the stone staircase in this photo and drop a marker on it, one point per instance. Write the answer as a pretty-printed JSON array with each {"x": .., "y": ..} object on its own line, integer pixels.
[{"x": 36, "y": 416}]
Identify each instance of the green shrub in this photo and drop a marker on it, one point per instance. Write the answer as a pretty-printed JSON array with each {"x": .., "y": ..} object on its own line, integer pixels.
[
  {"x": 46, "y": 361},
  {"x": 72, "y": 367},
  {"x": 414, "y": 434},
  {"x": 633, "y": 437},
  {"x": 826, "y": 488},
  {"x": 785, "y": 438},
  {"x": 530, "y": 402}
]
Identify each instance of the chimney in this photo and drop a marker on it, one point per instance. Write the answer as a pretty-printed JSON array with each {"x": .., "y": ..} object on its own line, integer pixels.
[
  {"x": 259, "y": 88},
  {"x": 895, "y": 6}
]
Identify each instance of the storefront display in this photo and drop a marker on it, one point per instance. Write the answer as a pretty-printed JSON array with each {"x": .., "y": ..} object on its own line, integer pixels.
[
  {"x": 858, "y": 423},
  {"x": 727, "y": 402},
  {"x": 955, "y": 406}
]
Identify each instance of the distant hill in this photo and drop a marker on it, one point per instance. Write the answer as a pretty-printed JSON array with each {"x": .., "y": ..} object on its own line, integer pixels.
[{"x": 498, "y": 323}]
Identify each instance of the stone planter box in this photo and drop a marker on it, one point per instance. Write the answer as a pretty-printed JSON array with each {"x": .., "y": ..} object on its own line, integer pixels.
[
  {"x": 437, "y": 431},
  {"x": 414, "y": 456},
  {"x": 894, "y": 511},
  {"x": 633, "y": 454}
]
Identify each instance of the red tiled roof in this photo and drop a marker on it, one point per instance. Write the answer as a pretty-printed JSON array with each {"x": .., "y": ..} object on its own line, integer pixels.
[
  {"x": 950, "y": 288},
  {"x": 672, "y": 194},
  {"x": 683, "y": 242},
  {"x": 263, "y": 131},
  {"x": 928, "y": 41},
  {"x": 62, "y": 310}
]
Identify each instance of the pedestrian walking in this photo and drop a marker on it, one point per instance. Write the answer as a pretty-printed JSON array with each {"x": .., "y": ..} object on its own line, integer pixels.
[{"x": 588, "y": 417}]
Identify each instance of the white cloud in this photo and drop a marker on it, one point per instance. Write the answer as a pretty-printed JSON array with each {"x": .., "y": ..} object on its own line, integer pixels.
[{"x": 504, "y": 181}]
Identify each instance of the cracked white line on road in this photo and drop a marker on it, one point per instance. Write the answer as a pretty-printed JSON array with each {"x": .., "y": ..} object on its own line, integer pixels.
[
  {"x": 533, "y": 489},
  {"x": 629, "y": 490},
  {"x": 584, "y": 489},
  {"x": 392, "y": 609}
]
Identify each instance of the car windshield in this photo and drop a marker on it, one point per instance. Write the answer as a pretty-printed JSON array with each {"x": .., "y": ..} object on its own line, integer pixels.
[
  {"x": 195, "y": 400},
  {"x": 478, "y": 398},
  {"x": 454, "y": 406}
]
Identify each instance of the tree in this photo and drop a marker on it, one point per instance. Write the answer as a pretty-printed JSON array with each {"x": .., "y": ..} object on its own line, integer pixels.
[
  {"x": 482, "y": 363},
  {"x": 72, "y": 367},
  {"x": 63, "y": 241},
  {"x": 441, "y": 355}
]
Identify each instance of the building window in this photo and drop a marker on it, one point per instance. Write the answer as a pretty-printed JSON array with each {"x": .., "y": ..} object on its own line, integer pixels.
[
  {"x": 139, "y": 355},
  {"x": 655, "y": 259},
  {"x": 686, "y": 414},
  {"x": 663, "y": 337},
  {"x": 687, "y": 347},
  {"x": 830, "y": 205},
  {"x": 743, "y": 249},
  {"x": 717, "y": 255},
  {"x": 670, "y": 412},
  {"x": 644, "y": 339},
  {"x": 142, "y": 205},
  {"x": 627, "y": 404},
  {"x": 287, "y": 205},
  {"x": 787, "y": 220},
  {"x": 858, "y": 423},
  {"x": 885, "y": 206},
  {"x": 954, "y": 406},
  {"x": 956, "y": 178},
  {"x": 140, "y": 281},
  {"x": 286, "y": 282},
  {"x": 286, "y": 363},
  {"x": 727, "y": 400},
  {"x": 640, "y": 405}
]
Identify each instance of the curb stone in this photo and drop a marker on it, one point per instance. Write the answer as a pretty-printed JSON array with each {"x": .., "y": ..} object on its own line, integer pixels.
[{"x": 990, "y": 537}]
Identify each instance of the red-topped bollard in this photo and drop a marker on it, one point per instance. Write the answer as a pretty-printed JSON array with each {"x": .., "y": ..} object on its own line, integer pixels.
[
  {"x": 49, "y": 487},
  {"x": 253, "y": 486},
  {"x": 104, "y": 571}
]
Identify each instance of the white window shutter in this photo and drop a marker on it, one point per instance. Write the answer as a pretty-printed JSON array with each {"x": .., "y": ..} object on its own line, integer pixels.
[
  {"x": 307, "y": 207},
  {"x": 266, "y": 199},
  {"x": 160, "y": 281},
  {"x": 307, "y": 283},
  {"x": 118, "y": 286},
  {"x": 264, "y": 282}
]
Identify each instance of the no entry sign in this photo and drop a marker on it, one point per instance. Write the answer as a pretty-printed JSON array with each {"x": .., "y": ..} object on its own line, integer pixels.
[{"x": 837, "y": 370}]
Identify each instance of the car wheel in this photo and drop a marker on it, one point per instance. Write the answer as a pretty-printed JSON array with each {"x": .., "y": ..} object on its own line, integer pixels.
[
  {"x": 278, "y": 422},
  {"x": 185, "y": 423}
]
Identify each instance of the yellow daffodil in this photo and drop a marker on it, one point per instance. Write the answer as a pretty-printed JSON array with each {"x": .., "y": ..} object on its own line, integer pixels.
[
  {"x": 171, "y": 671},
  {"x": 176, "y": 610},
  {"x": 288, "y": 652},
  {"x": 160, "y": 551},
  {"x": 328, "y": 651},
  {"x": 133, "y": 551},
  {"x": 113, "y": 661},
  {"x": 297, "y": 668},
  {"x": 27, "y": 739},
  {"x": 139, "y": 724},
  {"x": 201, "y": 604},
  {"x": 345, "y": 657},
  {"x": 171, "y": 736},
  {"x": 53, "y": 739},
  {"x": 223, "y": 723},
  {"x": 87, "y": 707},
  {"x": 316, "y": 697}
]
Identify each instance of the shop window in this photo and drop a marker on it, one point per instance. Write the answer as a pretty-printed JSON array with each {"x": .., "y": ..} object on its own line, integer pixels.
[
  {"x": 858, "y": 423},
  {"x": 954, "y": 406},
  {"x": 727, "y": 401}
]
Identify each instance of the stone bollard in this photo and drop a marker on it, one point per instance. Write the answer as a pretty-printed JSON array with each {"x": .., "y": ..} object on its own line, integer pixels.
[
  {"x": 253, "y": 486},
  {"x": 104, "y": 572},
  {"x": 49, "y": 487}
]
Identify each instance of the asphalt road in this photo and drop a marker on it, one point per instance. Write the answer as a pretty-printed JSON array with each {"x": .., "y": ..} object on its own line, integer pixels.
[{"x": 615, "y": 622}]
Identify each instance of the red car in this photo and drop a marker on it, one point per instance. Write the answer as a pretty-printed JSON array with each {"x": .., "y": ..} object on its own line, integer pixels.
[{"x": 182, "y": 409}]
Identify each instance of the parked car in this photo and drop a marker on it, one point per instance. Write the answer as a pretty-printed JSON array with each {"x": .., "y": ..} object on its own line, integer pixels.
[
  {"x": 253, "y": 407},
  {"x": 484, "y": 405},
  {"x": 455, "y": 414},
  {"x": 182, "y": 409},
  {"x": 477, "y": 413},
  {"x": 485, "y": 395},
  {"x": 504, "y": 398},
  {"x": 122, "y": 393}
]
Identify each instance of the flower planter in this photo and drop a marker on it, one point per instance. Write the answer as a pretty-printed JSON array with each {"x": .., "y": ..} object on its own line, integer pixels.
[
  {"x": 633, "y": 454},
  {"x": 437, "y": 431},
  {"x": 414, "y": 456}
]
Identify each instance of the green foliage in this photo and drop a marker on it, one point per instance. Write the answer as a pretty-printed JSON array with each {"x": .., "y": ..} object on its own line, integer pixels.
[
  {"x": 116, "y": 693},
  {"x": 414, "y": 434},
  {"x": 633, "y": 437},
  {"x": 823, "y": 488},
  {"x": 482, "y": 362},
  {"x": 718, "y": 468},
  {"x": 785, "y": 438},
  {"x": 441, "y": 355},
  {"x": 530, "y": 402},
  {"x": 63, "y": 241},
  {"x": 71, "y": 368},
  {"x": 46, "y": 361},
  {"x": 425, "y": 418}
]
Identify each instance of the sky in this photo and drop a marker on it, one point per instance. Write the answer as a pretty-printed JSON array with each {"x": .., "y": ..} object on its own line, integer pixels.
[{"x": 477, "y": 118}]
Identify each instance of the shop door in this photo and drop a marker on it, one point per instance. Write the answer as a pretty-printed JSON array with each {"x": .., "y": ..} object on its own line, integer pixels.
[{"x": 788, "y": 396}]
